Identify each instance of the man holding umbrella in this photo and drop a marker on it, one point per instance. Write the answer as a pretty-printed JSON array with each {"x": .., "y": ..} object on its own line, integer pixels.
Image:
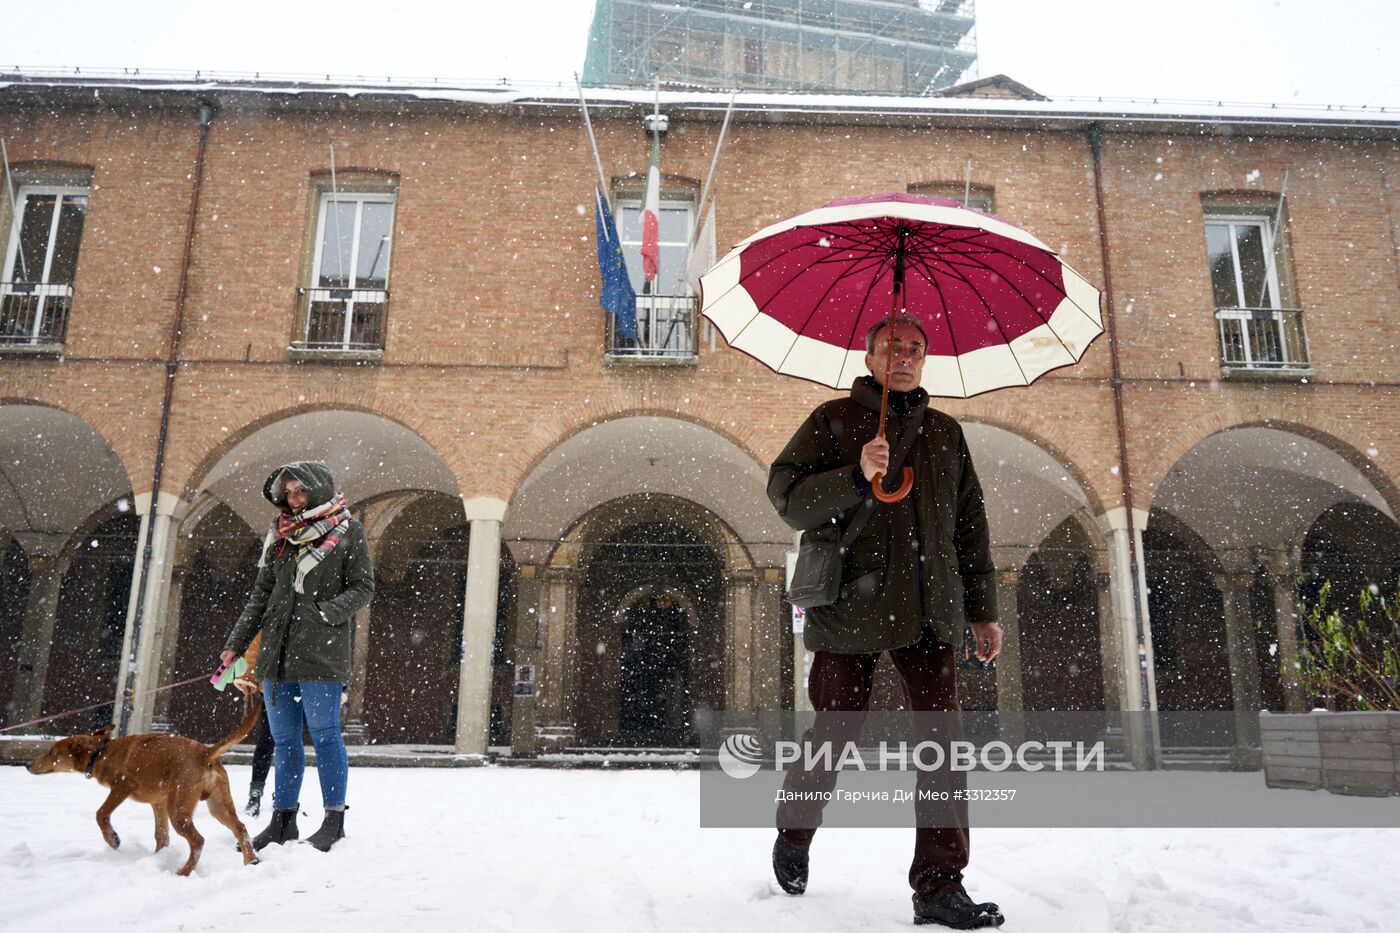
[
  {"x": 916, "y": 571},
  {"x": 928, "y": 296}
]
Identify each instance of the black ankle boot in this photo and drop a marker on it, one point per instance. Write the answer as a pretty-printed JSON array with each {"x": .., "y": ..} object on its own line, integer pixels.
[
  {"x": 790, "y": 866},
  {"x": 283, "y": 828},
  {"x": 955, "y": 909},
  {"x": 332, "y": 831}
]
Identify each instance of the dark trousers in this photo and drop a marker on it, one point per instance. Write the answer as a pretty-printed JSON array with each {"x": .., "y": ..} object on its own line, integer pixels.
[
  {"x": 262, "y": 751},
  {"x": 841, "y": 683}
]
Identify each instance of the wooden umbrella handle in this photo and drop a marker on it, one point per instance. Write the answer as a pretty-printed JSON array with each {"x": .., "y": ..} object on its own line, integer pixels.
[{"x": 906, "y": 484}]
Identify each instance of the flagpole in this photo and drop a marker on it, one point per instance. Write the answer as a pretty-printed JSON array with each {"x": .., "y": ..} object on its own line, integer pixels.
[
  {"x": 1273, "y": 252},
  {"x": 14, "y": 208},
  {"x": 593, "y": 142},
  {"x": 710, "y": 176},
  {"x": 967, "y": 182}
]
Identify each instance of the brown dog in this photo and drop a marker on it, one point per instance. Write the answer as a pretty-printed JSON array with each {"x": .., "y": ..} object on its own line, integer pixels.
[{"x": 171, "y": 773}]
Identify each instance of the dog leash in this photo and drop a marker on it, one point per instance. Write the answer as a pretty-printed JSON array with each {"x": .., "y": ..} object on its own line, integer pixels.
[{"x": 88, "y": 709}]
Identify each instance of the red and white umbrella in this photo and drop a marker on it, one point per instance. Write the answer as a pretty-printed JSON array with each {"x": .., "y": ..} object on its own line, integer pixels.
[{"x": 999, "y": 307}]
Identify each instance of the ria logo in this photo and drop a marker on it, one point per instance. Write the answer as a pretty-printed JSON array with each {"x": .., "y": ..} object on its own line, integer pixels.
[{"x": 741, "y": 755}]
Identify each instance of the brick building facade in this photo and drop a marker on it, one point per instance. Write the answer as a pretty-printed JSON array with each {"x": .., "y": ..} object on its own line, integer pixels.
[{"x": 539, "y": 493}]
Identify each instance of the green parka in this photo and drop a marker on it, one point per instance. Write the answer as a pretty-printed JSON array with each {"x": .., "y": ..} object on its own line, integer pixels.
[
  {"x": 306, "y": 636},
  {"x": 923, "y": 560}
]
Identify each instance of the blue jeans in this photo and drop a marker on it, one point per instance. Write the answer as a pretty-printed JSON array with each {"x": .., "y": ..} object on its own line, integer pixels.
[{"x": 317, "y": 703}]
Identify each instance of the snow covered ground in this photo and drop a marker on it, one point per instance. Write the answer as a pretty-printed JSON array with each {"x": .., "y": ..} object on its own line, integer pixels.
[{"x": 514, "y": 849}]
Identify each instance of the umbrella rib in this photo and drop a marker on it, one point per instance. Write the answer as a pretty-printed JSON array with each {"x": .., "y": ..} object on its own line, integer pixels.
[
  {"x": 1001, "y": 252},
  {"x": 855, "y": 267},
  {"x": 948, "y": 322},
  {"x": 739, "y": 283},
  {"x": 921, "y": 267},
  {"x": 1020, "y": 294},
  {"x": 763, "y": 308},
  {"x": 874, "y": 279}
]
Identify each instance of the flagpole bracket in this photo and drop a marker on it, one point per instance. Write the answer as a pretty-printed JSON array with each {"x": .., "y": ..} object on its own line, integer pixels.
[{"x": 657, "y": 125}]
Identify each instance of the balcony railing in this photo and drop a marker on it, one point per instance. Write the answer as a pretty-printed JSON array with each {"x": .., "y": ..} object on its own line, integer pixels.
[
  {"x": 344, "y": 319},
  {"x": 1262, "y": 338},
  {"x": 665, "y": 330},
  {"x": 33, "y": 313}
]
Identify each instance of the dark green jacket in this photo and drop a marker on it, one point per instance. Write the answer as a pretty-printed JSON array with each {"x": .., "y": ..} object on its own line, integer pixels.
[
  {"x": 306, "y": 636},
  {"x": 925, "y": 559}
]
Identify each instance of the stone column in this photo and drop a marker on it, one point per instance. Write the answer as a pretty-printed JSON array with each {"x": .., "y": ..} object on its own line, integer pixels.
[
  {"x": 739, "y": 641},
  {"x": 1010, "y": 698},
  {"x": 528, "y": 640},
  {"x": 145, "y": 654},
  {"x": 1135, "y": 656},
  {"x": 170, "y": 644},
  {"x": 1244, "y": 666},
  {"x": 558, "y": 676},
  {"x": 767, "y": 672},
  {"x": 1287, "y": 613},
  {"x": 479, "y": 625},
  {"x": 1110, "y": 644},
  {"x": 40, "y": 615},
  {"x": 354, "y": 727}
]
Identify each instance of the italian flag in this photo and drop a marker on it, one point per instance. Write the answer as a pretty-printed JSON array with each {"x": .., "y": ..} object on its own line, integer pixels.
[{"x": 651, "y": 213}]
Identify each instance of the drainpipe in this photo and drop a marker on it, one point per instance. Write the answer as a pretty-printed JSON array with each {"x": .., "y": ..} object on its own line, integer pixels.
[
  {"x": 128, "y": 672},
  {"x": 1095, "y": 147}
]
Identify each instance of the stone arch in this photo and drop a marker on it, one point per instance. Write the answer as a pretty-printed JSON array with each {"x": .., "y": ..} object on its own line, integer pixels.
[
  {"x": 650, "y": 590},
  {"x": 66, "y": 515},
  {"x": 555, "y": 436},
  {"x": 411, "y": 676},
  {"x": 216, "y": 560},
  {"x": 1221, "y": 421},
  {"x": 649, "y": 660},
  {"x": 387, "y": 421},
  {"x": 379, "y": 464},
  {"x": 1094, "y": 500},
  {"x": 1058, "y": 605},
  {"x": 1349, "y": 548}
]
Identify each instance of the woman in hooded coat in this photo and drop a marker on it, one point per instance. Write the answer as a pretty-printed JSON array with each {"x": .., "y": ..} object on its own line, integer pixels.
[{"x": 313, "y": 576}]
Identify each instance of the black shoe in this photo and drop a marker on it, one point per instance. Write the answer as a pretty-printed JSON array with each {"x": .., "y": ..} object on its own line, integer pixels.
[
  {"x": 790, "y": 866},
  {"x": 254, "y": 806},
  {"x": 283, "y": 828},
  {"x": 955, "y": 909},
  {"x": 332, "y": 831}
]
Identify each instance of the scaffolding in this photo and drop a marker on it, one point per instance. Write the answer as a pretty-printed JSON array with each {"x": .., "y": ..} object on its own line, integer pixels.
[{"x": 904, "y": 47}]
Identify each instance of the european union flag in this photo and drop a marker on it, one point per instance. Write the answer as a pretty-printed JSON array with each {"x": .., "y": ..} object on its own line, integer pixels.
[{"x": 617, "y": 296}]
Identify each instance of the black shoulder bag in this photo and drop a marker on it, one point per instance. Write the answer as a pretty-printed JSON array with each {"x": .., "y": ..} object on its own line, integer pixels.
[{"x": 816, "y": 578}]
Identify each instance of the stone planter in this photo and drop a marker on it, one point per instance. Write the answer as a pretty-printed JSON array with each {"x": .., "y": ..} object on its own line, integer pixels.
[
  {"x": 1292, "y": 750},
  {"x": 1347, "y": 753}
]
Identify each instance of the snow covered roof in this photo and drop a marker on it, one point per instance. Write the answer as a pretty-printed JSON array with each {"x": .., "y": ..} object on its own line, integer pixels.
[{"x": 1062, "y": 113}]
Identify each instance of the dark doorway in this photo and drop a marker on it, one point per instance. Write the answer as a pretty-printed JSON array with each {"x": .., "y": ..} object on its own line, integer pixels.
[
  {"x": 649, "y": 661},
  {"x": 87, "y": 639},
  {"x": 416, "y": 635},
  {"x": 14, "y": 602},
  {"x": 218, "y": 577},
  {"x": 654, "y": 675},
  {"x": 1191, "y": 656},
  {"x": 1057, "y": 610}
]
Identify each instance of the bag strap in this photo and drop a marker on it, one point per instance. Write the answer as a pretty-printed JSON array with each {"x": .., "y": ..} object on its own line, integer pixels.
[{"x": 897, "y": 455}]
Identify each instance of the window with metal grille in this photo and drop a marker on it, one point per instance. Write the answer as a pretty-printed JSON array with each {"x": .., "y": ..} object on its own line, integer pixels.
[
  {"x": 345, "y": 303},
  {"x": 41, "y": 261},
  {"x": 1256, "y": 328}
]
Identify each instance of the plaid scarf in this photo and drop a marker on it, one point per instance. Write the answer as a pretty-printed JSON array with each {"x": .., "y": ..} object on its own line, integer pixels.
[{"x": 314, "y": 533}]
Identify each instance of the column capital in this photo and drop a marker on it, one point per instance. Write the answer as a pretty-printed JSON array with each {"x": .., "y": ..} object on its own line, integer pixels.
[
  {"x": 1116, "y": 519},
  {"x": 169, "y": 505},
  {"x": 484, "y": 508}
]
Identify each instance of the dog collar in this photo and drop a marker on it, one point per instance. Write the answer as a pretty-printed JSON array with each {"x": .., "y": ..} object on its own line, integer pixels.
[{"x": 96, "y": 754}]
